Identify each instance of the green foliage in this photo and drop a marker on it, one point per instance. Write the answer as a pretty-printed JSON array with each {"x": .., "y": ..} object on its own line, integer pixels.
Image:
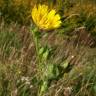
[
  {"x": 90, "y": 24},
  {"x": 70, "y": 23},
  {"x": 44, "y": 53}
]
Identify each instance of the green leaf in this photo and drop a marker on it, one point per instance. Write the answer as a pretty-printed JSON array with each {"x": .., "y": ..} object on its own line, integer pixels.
[
  {"x": 41, "y": 50},
  {"x": 65, "y": 64},
  {"x": 43, "y": 88},
  {"x": 45, "y": 55},
  {"x": 51, "y": 72}
]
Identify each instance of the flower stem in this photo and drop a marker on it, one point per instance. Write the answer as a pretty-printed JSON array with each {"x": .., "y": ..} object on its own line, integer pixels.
[{"x": 35, "y": 38}]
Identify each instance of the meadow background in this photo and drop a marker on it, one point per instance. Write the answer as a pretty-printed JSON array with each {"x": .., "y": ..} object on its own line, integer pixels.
[{"x": 69, "y": 52}]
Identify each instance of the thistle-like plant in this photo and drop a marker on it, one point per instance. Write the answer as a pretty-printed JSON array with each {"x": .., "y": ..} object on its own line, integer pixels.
[{"x": 44, "y": 19}]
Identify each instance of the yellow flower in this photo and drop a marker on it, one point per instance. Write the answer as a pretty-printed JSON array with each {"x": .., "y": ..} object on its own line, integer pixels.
[{"x": 44, "y": 18}]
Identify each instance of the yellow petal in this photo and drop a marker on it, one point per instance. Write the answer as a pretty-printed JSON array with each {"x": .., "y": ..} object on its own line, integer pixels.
[
  {"x": 57, "y": 24},
  {"x": 51, "y": 14},
  {"x": 44, "y": 18},
  {"x": 57, "y": 17},
  {"x": 34, "y": 12}
]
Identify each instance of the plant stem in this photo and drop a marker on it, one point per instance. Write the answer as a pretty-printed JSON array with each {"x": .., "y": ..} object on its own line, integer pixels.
[{"x": 35, "y": 38}]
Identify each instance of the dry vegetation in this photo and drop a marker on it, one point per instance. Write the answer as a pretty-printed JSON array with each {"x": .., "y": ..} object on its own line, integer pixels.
[{"x": 71, "y": 50}]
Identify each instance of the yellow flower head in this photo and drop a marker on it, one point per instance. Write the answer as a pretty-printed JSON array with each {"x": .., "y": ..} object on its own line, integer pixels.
[{"x": 44, "y": 18}]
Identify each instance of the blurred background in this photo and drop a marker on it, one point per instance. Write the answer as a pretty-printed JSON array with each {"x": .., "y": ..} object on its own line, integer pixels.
[{"x": 72, "y": 46}]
